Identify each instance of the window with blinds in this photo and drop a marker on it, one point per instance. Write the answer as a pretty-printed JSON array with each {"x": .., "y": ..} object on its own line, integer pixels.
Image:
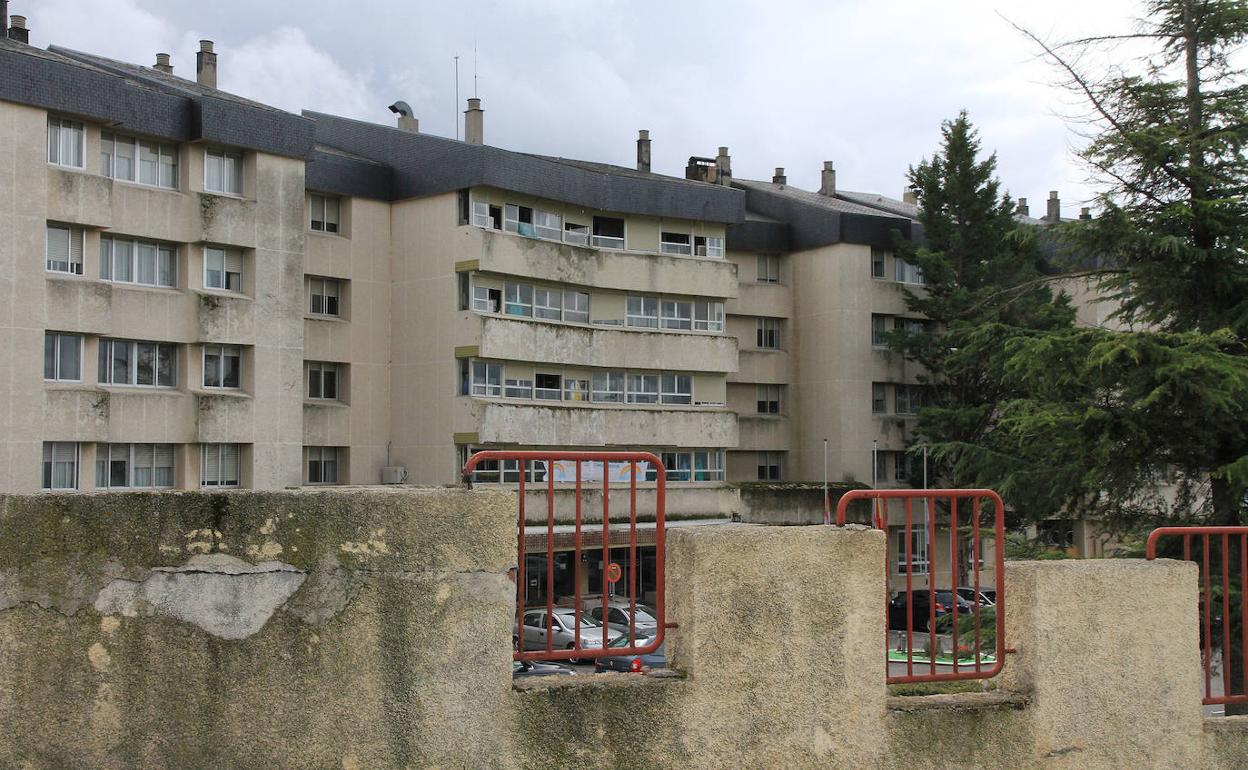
[
  {"x": 123, "y": 466},
  {"x": 60, "y": 465},
  {"x": 223, "y": 269},
  {"x": 65, "y": 143},
  {"x": 142, "y": 262},
  {"x": 219, "y": 465},
  {"x": 223, "y": 171},
  {"x": 139, "y": 161},
  {"x": 64, "y": 251}
]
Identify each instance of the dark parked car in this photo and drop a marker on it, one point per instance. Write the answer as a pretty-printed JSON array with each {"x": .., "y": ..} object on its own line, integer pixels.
[
  {"x": 526, "y": 668},
  {"x": 987, "y": 597},
  {"x": 635, "y": 663},
  {"x": 921, "y": 610}
]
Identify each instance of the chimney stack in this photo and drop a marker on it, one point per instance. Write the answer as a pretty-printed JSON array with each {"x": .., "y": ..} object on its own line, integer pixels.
[
  {"x": 1023, "y": 210},
  {"x": 162, "y": 63},
  {"x": 1054, "y": 210},
  {"x": 1085, "y": 213},
  {"x": 911, "y": 196},
  {"x": 643, "y": 150},
  {"x": 779, "y": 177},
  {"x": 827, "y": 183},
  {"x": 4, "y": 18},
  {"x": 474, "y": 122},
  {"x": 407, "y": 121},
  {"x": 206, "y": 65},
  {"x": 17, "y": 29},
  {"x": 723, "y": 167}
]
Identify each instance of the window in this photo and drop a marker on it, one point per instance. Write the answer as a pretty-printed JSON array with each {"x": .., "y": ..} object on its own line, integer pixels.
[
  {"x": 119, "y": 466},
  {"x": 324, "y": 213},
  {"x": 320, "y": 464},
  {"x": 65, "y": 143},
  {"x": 881, "y": 467},
  {"x": 323, "y": 381},
  {"x": 575, "y": 390},
  {"x": 907, "y": 398},
  {"x": 769, "y": 333},
  {"x": 576, "y": 306},
  {"x": 877, "y": 263},
  {"x": 677, "y": 389},
  {"x": 487, "y": 379},
  {"x": 547, "y": 224},
  {"x": 675, "y": 243},
  {"x": 879, "y": 327},
  {"x": 608, "y": 387},
  {"x": 219, "y": 465},
  {"x": 608, "y": 232},
  {"x": 768, "y": 399},
  {"x": 879, "y": 401},
  {"x": 768, "y": 268},
  {"x": 643, "y": 388},
  {"x": 62, "y": 357},
  {"x": 910, "y": 325},
  {"x": 324, "y": 296},
  {"x": 141, "y": 262},
  {"x": 156, "y": 166},
  {"x": 64, "y": 249},
  {"x": 916, "y": 559},
  {"x": 519, "y": 299},
  {"x": 708, "y": 316},
  {"x": 706, "y": 246},
  {"x": 486, "y": 300},
  {"x": 642, "y": 311},
  {"x": 223, "y": 269},
  {"x": 768, "y": 466},
  {"x": 906, "y": 272},
  {"x": 141, "y": 364},
  {"x": 222, "y": 365},
  {"x": 487, "y": 216},
  {"x": 708, "y": 465},
  {"x": 677, "y": 314},
  {"x": 575, "y": 234},
  {"x": 518, "y": 388},
  {"x": 548, "y": 387},
  {"x": 679, "y": 465},
  {"x": 60, "y": 465},
  {"x": 223, "y": 172},
  {"x": 901, "y": 466},
  {"x": 518, "y": 219},
  {"x": 548, "y": 303}
]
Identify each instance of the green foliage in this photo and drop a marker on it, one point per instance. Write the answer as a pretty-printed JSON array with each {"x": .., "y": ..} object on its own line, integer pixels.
[{"x": 1022, "y": 548}]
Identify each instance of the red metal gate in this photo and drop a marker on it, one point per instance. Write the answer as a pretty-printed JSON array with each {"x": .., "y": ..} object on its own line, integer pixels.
[
  {"x": 576, "y": 470},
  {"x": 980, "y": 665},
  {"x": 1214, "y": 546}
]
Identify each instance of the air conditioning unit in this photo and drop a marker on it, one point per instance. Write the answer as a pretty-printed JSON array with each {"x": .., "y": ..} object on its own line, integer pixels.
[{"x": 393, "y": 474}]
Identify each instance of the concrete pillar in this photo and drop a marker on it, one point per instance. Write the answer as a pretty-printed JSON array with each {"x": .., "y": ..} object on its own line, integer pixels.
[
  {"x": 827, "y": 181},
  {"x": 643, "y": 150},
  {"x": 1108, "y": 651},
  {"x": 783, "y": 621},
  {"x": 206, "y": 65},
  {"x": 474, "y": 123}
]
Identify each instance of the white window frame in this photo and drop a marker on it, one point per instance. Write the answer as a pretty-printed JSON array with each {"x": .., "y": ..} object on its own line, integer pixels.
[
  {"x": 609, "y": 241},
  {"x": 59, "y": 340},
  {"x": 576, "y": 389},
  {"x": 878, "y": 258},
  {"x": 768, "y": 268},
  {"x": 481, "y": 215},
  {"x": 229, "y": 258},
  {"x": 49, "y": 480},
  {"x": 165, "y": 157},
  {"x": 576, "y": 233},
  {"x": 919, "y": 547},
  {"x": 548, "y": 225},
  {"x": 714, "y": 470},
  {"x": 225, "y": 454},
  {"x": 481, "y": 301},
  {"x": 769, "y": 460},
  {"x": 676, "y": 388},
  {"x": 512, "y": 222},
  {"x": 711, "y": 246},
  {"x": 643, "y": 388},
  {"x": 677, "y": 246},
  {"x": 319, "y": 289},
  {"x": 516, "y": 387},
  {"x": 319, "y": 373},
  {"x": 768, "y": 331},
  {"x": 107, "y": 375},
  {"x": 57, "y": 144},
  {"x": 575, "y": 306},
  {"x": 318, "y": 203},
  {"x": 481, "y": 384},
  {"x": 677, "y": 314},
  {"x": 542, "y": 303},
  {"x": 708, "y": 316},
  {"x": 879, "y": 327},
  {"x": 231, "y": 184},
  {"x": 523, "y": 304},
  {"x": 163, "y": 255},
  {"x": 905, "y": 272},
  {"x": 129, "y": 453},
  {"x": 764, "y": 398},
  {"x": 607, "y": 387},
  {"x": 548, "y": 394},
  {"x": 879, "y": 398},
  {"x": 646, "y": 313},
  {"x": 221, "y": 352},
  {"x": 72, "y": 262},
  {"x": 328, "y": 459},
  {"x": 911, "y": 398}
]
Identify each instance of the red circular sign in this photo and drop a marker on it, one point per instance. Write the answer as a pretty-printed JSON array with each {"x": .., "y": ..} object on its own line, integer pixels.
[{"x": 614, "y": 573}]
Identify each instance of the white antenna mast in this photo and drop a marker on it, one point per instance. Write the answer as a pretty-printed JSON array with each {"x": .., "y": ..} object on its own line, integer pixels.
[
  {"x": 455, "y": 112},
  {"x": 474, "y": 69}
]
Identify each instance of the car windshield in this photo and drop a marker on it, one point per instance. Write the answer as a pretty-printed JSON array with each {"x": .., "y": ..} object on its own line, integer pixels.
[
  {"x": 569, "y": 619},
  {"x": 644, "y": 614},
  {"x": 622, "y": 641}
]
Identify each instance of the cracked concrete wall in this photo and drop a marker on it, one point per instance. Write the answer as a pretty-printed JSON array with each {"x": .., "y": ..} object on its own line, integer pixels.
[{"x": 335, "y": 628}]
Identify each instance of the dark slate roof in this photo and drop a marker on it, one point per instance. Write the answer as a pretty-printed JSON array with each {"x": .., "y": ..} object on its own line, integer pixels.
[
  {"x": 815, "y": 220},
  {"x": 881, "y": 202},
  {"x": 145, "y": 101},
  {"x": 423, "y": 164}
]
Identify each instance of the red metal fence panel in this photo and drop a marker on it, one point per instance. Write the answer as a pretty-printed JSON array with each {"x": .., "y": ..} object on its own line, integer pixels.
[
  {"x": 1220, "y": 611},
  {"x": 936, "y": 610},
  {"x": 580, "y": 636}
]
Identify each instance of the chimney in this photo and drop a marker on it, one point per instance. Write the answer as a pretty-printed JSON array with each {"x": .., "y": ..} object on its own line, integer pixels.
[
  {"x": 911, "y": 196},
  {"x": 206, "y": 65},
  {"x": 779, "y": 177},
  {"x": 4, "y": 16},
  {"x": 643, "y": 150},
  {"x": 1085, "y": 213},
  {"x": 17, "y": 29},
  {"x": 474, "y": 123},
  {"x": 1054, "y": 211},
  {"x": 1023, "y": 210},
  {"x": 827, "y": 184},
  {"x": 162, "y": 63},
  {"x": 723, "y": 167},
  {"x": 407, "y": 121}
]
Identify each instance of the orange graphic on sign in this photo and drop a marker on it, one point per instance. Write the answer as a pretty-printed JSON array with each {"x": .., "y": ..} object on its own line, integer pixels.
[{"x": 614, "y": 573}]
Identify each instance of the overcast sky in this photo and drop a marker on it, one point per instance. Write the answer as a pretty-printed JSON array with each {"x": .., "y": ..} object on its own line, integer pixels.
[{"x": 863, "y": 83}]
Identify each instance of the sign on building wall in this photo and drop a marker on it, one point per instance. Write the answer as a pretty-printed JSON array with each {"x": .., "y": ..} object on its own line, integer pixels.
[{"x": 591, "y": 470}]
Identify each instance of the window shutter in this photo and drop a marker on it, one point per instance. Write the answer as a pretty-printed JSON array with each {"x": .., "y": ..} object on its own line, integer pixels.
[
  {"x": 212, "y": 465},
  {"x": 229, "y": 464}
]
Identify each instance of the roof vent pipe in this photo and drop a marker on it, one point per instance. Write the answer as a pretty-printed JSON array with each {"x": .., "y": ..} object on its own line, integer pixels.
[
  {"x": 206, "y": 65},
  {"x": 407, "y": 121},
  {"x": 17, "y": 29},
  {"x": 474, "y": 122},
  {"x": 779, "y": 177},
  {"x": 162, "y": 63},
  {"x": 827, "y": 182},
  {"x": 643, "y": 150}
]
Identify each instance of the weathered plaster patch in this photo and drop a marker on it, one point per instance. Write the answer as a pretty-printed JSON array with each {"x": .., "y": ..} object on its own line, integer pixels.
[
  {"x": 374, "y": 546},
  {"x": 204, "y": 541},
  {"x": 109, "y": 624},
  {"x": 323, "y": 596},
  {"x": 99, "y": 657},
  {"x": 269, "y": 549},
  {"x": 221, "y": 594}
]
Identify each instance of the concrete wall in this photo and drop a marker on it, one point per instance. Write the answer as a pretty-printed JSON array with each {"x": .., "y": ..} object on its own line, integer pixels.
[{"x": 354, "y": 629}]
